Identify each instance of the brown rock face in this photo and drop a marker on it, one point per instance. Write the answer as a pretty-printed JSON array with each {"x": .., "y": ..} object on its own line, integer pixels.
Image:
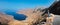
[{"x": 4, "y": 19}]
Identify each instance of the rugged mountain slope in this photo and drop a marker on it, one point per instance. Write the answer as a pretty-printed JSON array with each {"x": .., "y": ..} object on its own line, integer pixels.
[{"x": 4, "y": 18}]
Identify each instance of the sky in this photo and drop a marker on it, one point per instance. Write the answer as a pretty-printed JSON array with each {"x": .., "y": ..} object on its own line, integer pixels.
[{"x": 15, "y": 5}]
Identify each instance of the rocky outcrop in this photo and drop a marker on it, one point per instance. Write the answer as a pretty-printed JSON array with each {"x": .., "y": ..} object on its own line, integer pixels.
[{"x": 54, "y": 8}]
